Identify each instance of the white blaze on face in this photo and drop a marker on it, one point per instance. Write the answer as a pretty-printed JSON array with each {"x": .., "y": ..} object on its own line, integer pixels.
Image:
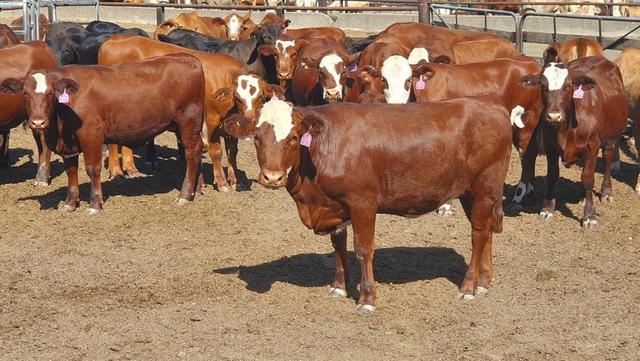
[
  {"x": 418, "y": 54},
  {"x": 41, "y": 82},
  {"x": 248, "y": 89},
  {"x": 330, "y": 63},
  {"x": 278, "y": 113},
  {"x": 233, "y": 30},
  {"x": 516, "y": 116},
  {"x": 283, "y": 45},
  {"x": 396, "y": 71},
  {"x": 555, "y": 76}
]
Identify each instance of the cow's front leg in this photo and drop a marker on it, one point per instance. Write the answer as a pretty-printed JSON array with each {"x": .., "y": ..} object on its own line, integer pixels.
[
  {"x": 588, "y": 182},
  {"x": 482, "y": 218},
  {"x": 73, "y": 193},
  {"x": 4, "y": 148},
  {"x": 43, "y": 177},
  {"x": 193, "y": 155},
  {"x": 114, "y": 162},
  {"x": 215, "y": 153},
  {"x": 363, "y": 220},
  {"x": 553, "y": 173},
  {"x": 525, "y": 186},
  {"x": 231, "y": 147},
  {"x": 341, "y": 277},
  {"x": 92, "y": 164},
  {"x": 129, "y": 164},
  {"x": 608, "y": 155},
  {"x": 636, "y": 138}
]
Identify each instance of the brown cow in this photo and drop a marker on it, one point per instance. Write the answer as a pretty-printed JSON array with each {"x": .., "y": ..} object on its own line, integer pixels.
[
  {"x": 220, "y": 71},
  {"x": 16, "y": 62},
  {"x": 571, "y": 49},
  {"x": 328, "y": 33},
  {"x": 285, "y": 53},
  {"x": 629, "y": 63},
  {"x": 44, "y": 25},
  {"x": 585, "y": 110},
  {"x": 239, "y": 27},
  {"x": 191, "y": 21},
  {"x": 249, "y": 94},
  {"x": 273, "y": 18},
  {"x": 82, "y": 107},
  {"x": 407, "y": 176}
]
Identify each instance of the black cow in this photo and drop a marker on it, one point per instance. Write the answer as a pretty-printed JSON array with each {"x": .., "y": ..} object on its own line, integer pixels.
[{"x": 65, "y": 39}]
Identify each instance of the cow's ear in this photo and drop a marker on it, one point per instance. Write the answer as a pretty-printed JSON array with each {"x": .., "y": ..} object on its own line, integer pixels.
[
  {"x": 286, "y": 23},
  {"x": 550, "y": 54},
  {"x": 585, "y": 82},
  {"x": 66, "y": 84},
  {"x": 367, "y": 73},
  {"x": 267, "y": 50},
  {"x": 11, "y": 86},
  {"x": 441, "y": 59},
  {"x": 529, "y": 81},
  {"x": 310, "y": 123},
  {"x": 271, "y": 89},
  {"x": 238, "y": 126},
  {"x": 352, "y": 59},
  {"x": 423, "y": 70}
]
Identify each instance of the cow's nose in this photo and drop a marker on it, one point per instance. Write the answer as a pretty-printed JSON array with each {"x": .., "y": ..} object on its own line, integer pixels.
[
  {"x": 272, "y": 178},
  {"x": 37, "y": 123},
  {"x": 332, "y": 94},
  {"x": 554, "y": 117},
  {"x": 250, "y": 114}
]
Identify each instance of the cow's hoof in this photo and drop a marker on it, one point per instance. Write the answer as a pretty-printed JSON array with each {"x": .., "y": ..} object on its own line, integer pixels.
[
  {"x": 224, "y": 188},
  {"x": 41, "y": 184},
  {"x": 67, "y": 208},
  {"x": 445, "y": 210},
  {"x": 608, "y": 198},
  {"x": 466, "y": 297},
  {"x": 589, "y": 223},
  {"x": 135, "y": 174},
  {"x": 481, "y": 291},
  {"x": 91, "y": 211},
  {"x": 182, "y": 202},
  {"x": 365, "y": 309},
  {"x": 514, "y": 208},
  {"x": 545, "y": 216},
  {"x": 336, "y": 293},
  {"x": 638, "y": 191}
]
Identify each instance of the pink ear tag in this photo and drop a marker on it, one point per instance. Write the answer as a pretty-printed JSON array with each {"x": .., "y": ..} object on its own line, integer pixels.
[
  {"x": 420, "y": 84},
  {"x": 284, "y": 31},
  {"x": 274, "y": 97},
  {"x": 64, "y": 97},
  {"x": 578, "y": 93},
  {"x": 353, "y": 67},
  {"x": 305, "y": 140}
]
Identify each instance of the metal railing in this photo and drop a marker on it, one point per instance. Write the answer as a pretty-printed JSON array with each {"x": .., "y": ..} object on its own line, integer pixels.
[{"x": 26, "y": 7}]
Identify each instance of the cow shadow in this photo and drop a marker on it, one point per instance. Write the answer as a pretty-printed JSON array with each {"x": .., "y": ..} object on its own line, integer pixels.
[
  {"x": 12, "y": 174},
  {"x": 391, "y": 265}
]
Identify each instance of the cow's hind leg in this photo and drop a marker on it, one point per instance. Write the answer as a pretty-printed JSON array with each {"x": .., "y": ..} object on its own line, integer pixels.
[
  {"x": 231, "y": 147},
  {"x": 363, "y": 220},
  {"x": 588, "y": 182},
  {"x": 43, "y": 177},
  {"x": 4, "y": 148},
  {"x": 636, "y": 138},
  {"x": 129, "y": 164},
  {"x": 608, "y": 155},
  {"x": 215, "y": 153},
  {"x": 73, "y": 192},
  {"x": 341, "y": 277},
  {"x": 190, "y": 137},
  {"x": 114, "y": 162},
  {"x": 150, "y": 156},
  {"x": 553, "y": 173},
  {"x": 525, "y": 186}
]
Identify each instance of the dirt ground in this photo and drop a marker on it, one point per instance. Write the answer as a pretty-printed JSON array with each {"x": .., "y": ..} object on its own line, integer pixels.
[{"x": 238, "y": 277}]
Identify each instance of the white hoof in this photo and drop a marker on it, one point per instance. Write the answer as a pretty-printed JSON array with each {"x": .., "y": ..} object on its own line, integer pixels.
[
  {"x": 41, "y": 184},
  {"x": 466, "y": 297},
  {"x": 545, "y": 216},
  {"x": 481, "y": 291},
  {"x": 445, "y": 210},
  {"x": 589, "y": 224},
  {"x": 608, "y": 198},
  {"x": 638, "y": 191},
  {"x": 181, "y": 202},
  {"x": 67, "y": 208},
  {"x": 365, "y": 309},
  {"x": 91, "y": 212},
  {"x": 225, "y": 189},
  {"x": 336, "y": 293}
]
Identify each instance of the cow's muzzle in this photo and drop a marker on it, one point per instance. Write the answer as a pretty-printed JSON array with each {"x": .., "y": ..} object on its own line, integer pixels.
[
  {"x": 272, "y": 179},
  {"x": 37, "y": 123}
]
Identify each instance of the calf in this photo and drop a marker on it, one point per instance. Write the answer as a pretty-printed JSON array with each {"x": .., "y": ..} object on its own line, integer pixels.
[
  {"x": 65, "y": 39},
  {"x": 249, "y": 94},
  {"x": 571, "y": 49},
  {"x": 585, "y": 109},
  {"x": 15, "y": 62},
  {"x": 82, "y": 107},
  {"x": 239, "y": 27},
  {"x": 438, "y": 151}
]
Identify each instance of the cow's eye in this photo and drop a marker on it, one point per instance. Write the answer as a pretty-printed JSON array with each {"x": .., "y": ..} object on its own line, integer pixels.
[
  {"x": 407, "y": 84},
  {"x": 384, "y": 83}
]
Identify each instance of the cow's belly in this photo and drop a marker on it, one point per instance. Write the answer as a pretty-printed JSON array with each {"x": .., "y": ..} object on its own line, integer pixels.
[{"x": 134, "y": 131}]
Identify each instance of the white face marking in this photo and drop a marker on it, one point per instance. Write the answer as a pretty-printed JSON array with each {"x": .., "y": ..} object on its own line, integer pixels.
[
  {"x": 418, "y": 54},
  {"x": 278, "y": 113},
  {"x": 396, "y": 71},
  {"x": 234, "y": 27},
  {"x": 555, "y": 76},
  {"x": 250, "y": 81},
  {"x": 41, "y": 82},
  {"x": 516, "y": 116},
  {"x": 284, "y": 45},
  {"x": 329, "y": 63}
]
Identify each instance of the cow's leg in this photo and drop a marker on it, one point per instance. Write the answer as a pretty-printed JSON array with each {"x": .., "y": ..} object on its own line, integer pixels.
[
  {"x": 114, "y": 162},
  {"x": 608, "y": 155},
  {"x": 215, "y": 152},
  {"x": 363, "y": 220},
  {"x": 341, "y": 277},
  {"x": 525, "y": 186},
  {"x": 128, "y": 163},
  {"x": 43, "y": 177},
  {"x": 553, "y": 173},
  {"x": 4, "y": 148},
  {"x": 73, "y": 192},
  {"x": 588, "y": 182},
  {"x": 231, "y": 147},
  {"x": 636, "y": 138},
  {"x": 193, "y": 155},
  {"x": 92, "y": 164},
  {"x": 150, "y": 156}
]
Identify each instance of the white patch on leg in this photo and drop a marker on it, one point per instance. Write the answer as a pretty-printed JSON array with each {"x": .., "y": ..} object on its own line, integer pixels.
[
  {"x": 278, "y": 113},
  {"x": 516, "y": 116},
  {"x": 396, "y": 71},
  {"x": 555, "y": 76},
  {"x": 41, "y": 82},
  {"x": 418, "y": 54}
]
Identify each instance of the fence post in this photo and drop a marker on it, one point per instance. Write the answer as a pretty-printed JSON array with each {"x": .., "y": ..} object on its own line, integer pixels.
[
  {"x": 424, "y": 13},
  {"x": 159, "y": 15}
]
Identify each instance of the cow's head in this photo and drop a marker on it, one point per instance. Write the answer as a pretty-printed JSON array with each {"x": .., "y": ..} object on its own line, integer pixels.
[
  {"x": 332, "y": 69},
  {"x": 251, "y": 93},
  {"x": 558, "y": 87},
  {"x": 396, "y": 79},
  {"x": 552, "y": 53},
  {"x": 285, "y": 51},
  {"x": 421, "y": 74},
  {"x": 237, "y": 24},
  {"x": 277, "y": 139},
  {"x": 41, "y": 92}
]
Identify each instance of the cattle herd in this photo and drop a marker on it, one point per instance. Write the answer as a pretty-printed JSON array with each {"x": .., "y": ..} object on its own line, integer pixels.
[{"x": 314, "y": 102}]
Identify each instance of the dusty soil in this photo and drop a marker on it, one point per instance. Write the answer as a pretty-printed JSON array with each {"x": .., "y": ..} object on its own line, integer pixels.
[{"x": 237, "y": 277}]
